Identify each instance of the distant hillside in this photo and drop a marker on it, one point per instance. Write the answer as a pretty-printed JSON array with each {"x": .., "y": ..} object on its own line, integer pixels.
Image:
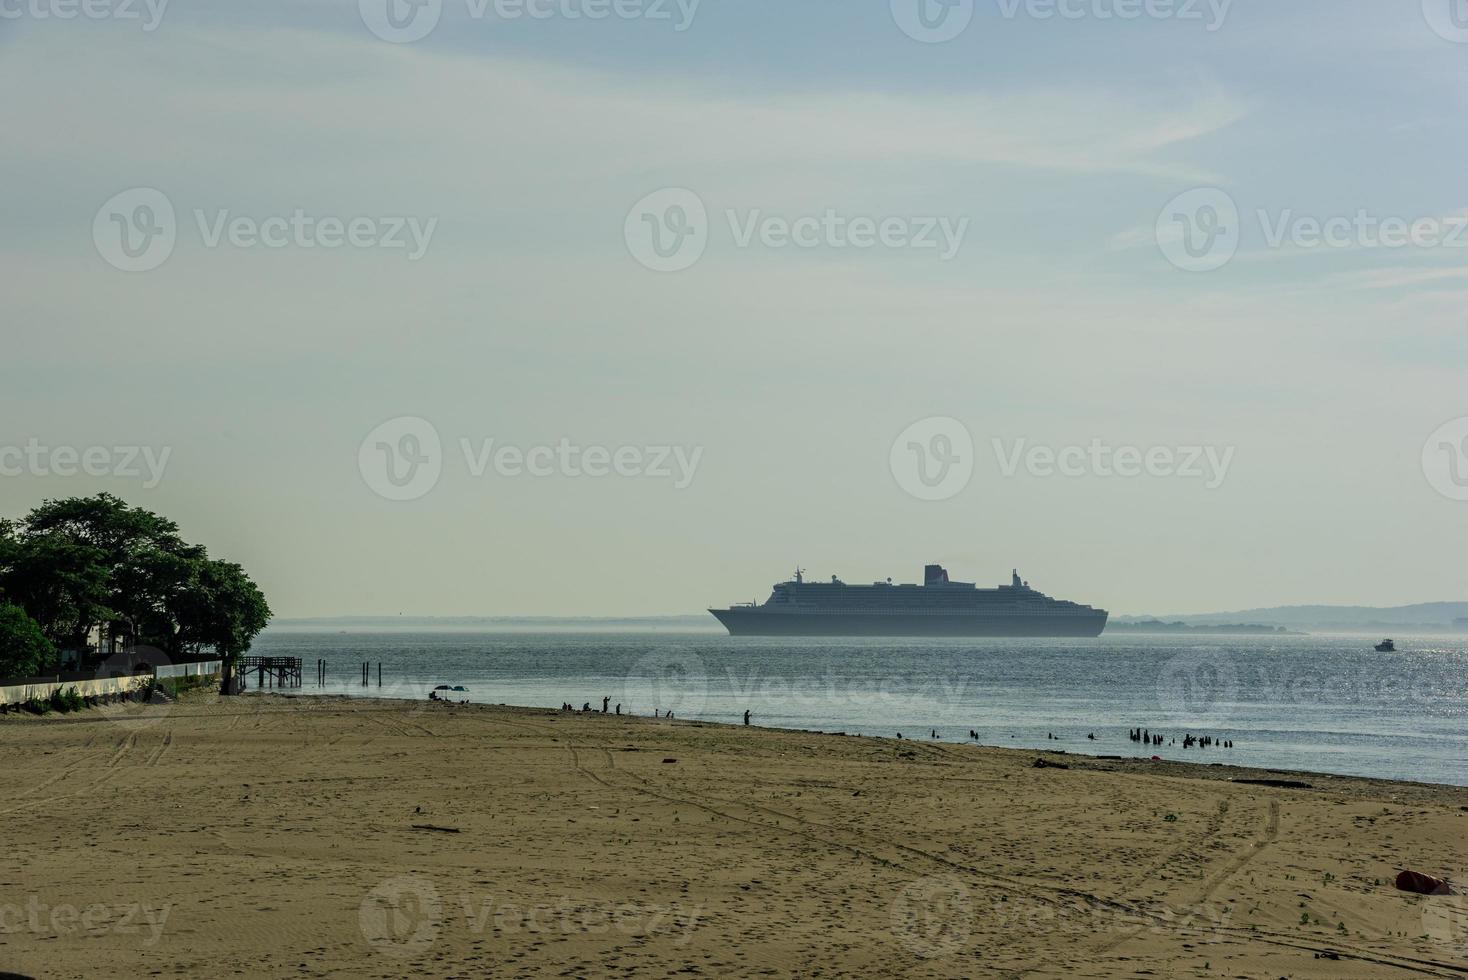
[
  {"x": 1426, "y": 616},
  {"x": 1129, "y": 625}
]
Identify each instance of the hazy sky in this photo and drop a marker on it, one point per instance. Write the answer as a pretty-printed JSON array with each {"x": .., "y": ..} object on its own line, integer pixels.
[{"x": 744, "y": 258}]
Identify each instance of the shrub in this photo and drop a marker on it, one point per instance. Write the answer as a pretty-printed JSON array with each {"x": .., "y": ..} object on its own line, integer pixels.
[{"x": 67, "y": 699}]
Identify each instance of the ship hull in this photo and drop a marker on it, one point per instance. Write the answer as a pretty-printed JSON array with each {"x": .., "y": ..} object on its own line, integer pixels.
[{"x": 759, "y": 622}]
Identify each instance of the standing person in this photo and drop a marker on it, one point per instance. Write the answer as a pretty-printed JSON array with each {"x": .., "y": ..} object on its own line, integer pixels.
[
  {"x": 619, "y": 708},
  {"x": 746, "y": 717},
  {"x": 604, "y": 703}
]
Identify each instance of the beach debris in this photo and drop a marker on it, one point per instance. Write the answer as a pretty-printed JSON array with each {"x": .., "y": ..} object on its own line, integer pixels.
[
  {"x": 1042, "y": 764},
  {"x": 440, "y": 830},
  {"x": 1422, "y": 884},
  {"x": 1274, "y": 783},
  {"x": 668, "y": 762}
]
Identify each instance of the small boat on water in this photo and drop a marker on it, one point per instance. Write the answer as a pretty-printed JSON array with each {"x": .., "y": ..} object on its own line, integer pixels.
[{"x": 1386, "y": 646}]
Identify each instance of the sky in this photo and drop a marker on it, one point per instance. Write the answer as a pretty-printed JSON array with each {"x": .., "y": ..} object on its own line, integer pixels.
[{"x": 627, "y": 307}]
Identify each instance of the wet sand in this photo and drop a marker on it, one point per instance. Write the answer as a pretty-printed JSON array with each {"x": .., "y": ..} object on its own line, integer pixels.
[{"x": 273, "y": 836}]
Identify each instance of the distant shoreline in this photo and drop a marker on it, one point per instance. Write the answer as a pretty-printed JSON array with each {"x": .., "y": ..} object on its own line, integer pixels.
[{"x": 710, "y": 627}]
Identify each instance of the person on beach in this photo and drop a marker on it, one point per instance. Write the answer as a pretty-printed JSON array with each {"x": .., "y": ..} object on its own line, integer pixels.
[
  {"x": 604, "y": 703},
  {"x": 746, "y": 717},
  {"x": 619, "y": 708}
]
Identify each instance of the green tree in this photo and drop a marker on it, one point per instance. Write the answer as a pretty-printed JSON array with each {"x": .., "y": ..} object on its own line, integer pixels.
[
  {"x": 223, "y": 609},
  {"x": 83, "y": 563},
  {"x": 60, "y": 583},
  {"x": 139, "y": 553},
  {"x": 24, "y": 649}
]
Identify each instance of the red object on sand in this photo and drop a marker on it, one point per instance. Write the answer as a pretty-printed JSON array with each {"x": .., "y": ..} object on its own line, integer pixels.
[
  {"x": 1421, "y": 884},
  {"x": 1157, "y": 758}
]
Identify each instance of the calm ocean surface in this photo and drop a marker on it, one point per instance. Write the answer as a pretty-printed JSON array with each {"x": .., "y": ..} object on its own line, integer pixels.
[{"x": 1328, "y": 704}]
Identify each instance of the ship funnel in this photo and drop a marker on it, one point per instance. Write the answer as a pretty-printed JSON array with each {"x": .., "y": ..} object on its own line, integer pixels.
[{"x": 935, "y": 575}]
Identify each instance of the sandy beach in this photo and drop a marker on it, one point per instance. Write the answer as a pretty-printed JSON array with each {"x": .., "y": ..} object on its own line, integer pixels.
[{"x": 275, "y": 836}]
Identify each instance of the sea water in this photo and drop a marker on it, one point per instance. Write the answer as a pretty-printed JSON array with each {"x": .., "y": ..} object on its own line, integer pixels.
[{"x": 1313, "y": 703}]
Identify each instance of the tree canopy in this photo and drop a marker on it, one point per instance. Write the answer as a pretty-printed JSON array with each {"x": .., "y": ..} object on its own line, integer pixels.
[
  {"x": 24, "y": 649},
  {"x": 84, "y": 563}
]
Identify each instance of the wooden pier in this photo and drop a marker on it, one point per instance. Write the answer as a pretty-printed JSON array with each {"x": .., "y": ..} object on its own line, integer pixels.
[{"x": 271, "y": 672}]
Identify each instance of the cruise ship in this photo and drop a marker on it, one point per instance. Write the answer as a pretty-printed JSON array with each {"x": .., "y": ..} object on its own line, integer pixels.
[{"x": 938, "y": 607}]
